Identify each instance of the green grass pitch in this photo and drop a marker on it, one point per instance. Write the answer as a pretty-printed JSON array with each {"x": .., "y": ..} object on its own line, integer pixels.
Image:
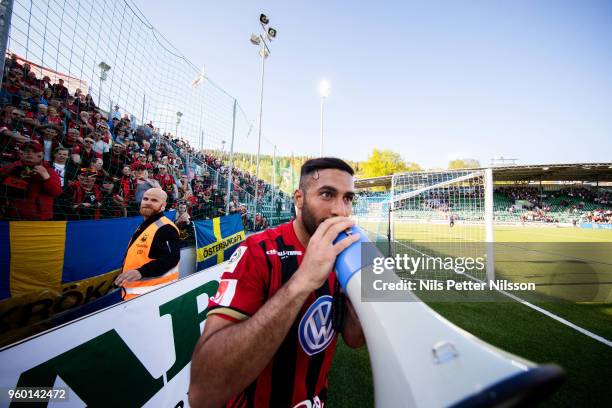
[{"x": 513, "y": 326}]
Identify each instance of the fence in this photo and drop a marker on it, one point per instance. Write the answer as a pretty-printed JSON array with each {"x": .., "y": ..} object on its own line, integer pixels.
[{"x": 111, "y": 51}]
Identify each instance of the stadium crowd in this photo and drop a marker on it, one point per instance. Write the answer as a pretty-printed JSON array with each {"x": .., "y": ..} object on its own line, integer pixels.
[
  {"x": 577, "y": 202},
  {"x": 62, "y": 157}
]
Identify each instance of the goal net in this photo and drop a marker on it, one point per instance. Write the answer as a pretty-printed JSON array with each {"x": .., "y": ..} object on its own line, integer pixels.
[{"x": 444, "y": 218}]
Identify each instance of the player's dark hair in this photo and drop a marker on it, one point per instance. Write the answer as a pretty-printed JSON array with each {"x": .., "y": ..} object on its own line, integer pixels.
[{"x": 322, "y": 163}]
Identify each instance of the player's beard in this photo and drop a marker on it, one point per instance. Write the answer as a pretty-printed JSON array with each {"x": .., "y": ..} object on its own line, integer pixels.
[{"x": 308, "y": 219}]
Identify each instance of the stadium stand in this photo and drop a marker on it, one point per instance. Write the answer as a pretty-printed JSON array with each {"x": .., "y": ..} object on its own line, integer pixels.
[
  {"x": 97, "y": 165},
  {"x": 514, "y": 203}
]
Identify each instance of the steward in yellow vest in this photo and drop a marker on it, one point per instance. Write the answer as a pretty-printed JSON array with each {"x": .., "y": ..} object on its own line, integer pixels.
[{"x": 152, "y": 258}]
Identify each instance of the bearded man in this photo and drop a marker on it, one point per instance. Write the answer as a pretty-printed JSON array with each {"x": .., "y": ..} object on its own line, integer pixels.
[
  {"x": 152, "y": 258},
  {"x": 269, "y": 337}
]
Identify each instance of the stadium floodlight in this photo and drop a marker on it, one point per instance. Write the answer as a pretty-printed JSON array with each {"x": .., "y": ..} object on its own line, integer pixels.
[
  {"x": 104, "y": 68},
  {"x": 255, "y": 40},
  {"x": 271, "y": 33},
  {"x": 324, "y": 89},
  {"x": 324, "y": 92},
  {"x": 264, "y": 52}
]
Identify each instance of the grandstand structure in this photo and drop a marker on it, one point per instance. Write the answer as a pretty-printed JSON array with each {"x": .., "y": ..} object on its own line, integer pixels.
[{"x": 556, "y": 194}]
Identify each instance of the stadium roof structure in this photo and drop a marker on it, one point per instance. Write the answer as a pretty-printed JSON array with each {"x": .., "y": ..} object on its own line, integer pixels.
[{"x": 588, "y": 172}]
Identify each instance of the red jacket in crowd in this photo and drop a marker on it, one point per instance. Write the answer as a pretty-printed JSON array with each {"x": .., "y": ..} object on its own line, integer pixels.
[{"x": 29, "y": 196}]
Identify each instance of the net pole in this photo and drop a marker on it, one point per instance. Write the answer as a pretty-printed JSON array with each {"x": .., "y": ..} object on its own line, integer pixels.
[
  {"x": 391, "y": 231},
  {"x": 488, "y": 218},
  {"x": 231, "y": 162},
  {"x": 6, "y": 13}
]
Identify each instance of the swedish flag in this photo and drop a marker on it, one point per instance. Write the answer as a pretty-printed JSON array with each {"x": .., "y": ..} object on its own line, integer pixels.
[
  {"x": 47, "y": 267},
  {"x": 217, "y": 239}
]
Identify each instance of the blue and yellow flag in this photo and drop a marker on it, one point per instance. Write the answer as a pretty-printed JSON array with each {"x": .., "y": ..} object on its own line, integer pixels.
[
  {"x": 48, "y": 267},
  {"x": 217, "y": 239}
]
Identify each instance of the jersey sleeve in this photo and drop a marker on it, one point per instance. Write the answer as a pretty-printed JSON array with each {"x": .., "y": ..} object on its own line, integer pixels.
[{"x": 242, "y": 285}]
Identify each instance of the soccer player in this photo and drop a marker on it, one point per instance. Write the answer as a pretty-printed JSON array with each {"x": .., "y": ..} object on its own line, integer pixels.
[
  {"x": 269, "y": 338},
  {"x": 451, "y": 220}
]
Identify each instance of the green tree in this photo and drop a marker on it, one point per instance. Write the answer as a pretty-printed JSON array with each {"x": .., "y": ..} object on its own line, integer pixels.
[
  {"x": 384, "y": 163},
  {"x": 463, "y": 164}
]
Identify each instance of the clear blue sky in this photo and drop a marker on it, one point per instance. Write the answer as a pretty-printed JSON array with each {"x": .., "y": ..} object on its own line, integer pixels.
[{"x": 431, "y": 80}]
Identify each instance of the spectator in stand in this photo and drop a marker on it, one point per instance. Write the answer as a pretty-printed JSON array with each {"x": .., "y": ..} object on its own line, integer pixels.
[
  {"x": 112, "y": 125},
  {"x": 28, "y": 121},
  {"x": 198, "y": 186},
  {"x": 100, "y": 146},
  {"x": 32, "y": 80},
  {"x": 218, "y": 204},
  {"x": 139, "y": 136},
  {"x": 184, "y": 185},
  {"x": 60, "y": 157},
  {"x": 167, "y": 183},
  {"x": 78, "y": 94},
  {"x": 115, "y": 160},
  {"x": 182, "y": 217},
  {"x": 53, "y": 118},
  {"x": 14, "y": 128},
  {"x": 143, "y": 183},
  {"x": 84, "y": 124},
  {"x": 127, "y": 184},
  {"x": 146, "y": 146},
  {"x": 205, "y": 206},
  {"x": 30, "y": 186},
  {"x": 50, "y": 142},
  {"x": 59, "y": 90},
  {"x": 258, "y": 224},
  {"x": 89, "y": 103},
  {"x": 81, "y": 200},
  {"x": 40, "y": 117},
  {"x": 47, "y": 95},
  {"x": 72, "y": 139},
  {"x": 190, "y": 199},
  {"x": 112, "y": 203},
  {"x": 234, "y": 207},
  {"x": 244, "y": 215},
  {"x": 120, "y": 135},
  {"x": 84, "y": 154},
  {"x": 141, "y": 162},
  {"x": 45, "y": 84},
  {"x": 101, "y": 174},
  {"x": 12, "y": 62}
]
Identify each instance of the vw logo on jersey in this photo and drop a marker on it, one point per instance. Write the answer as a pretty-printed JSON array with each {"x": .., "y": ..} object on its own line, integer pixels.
[{"x": 315, "y": 330}]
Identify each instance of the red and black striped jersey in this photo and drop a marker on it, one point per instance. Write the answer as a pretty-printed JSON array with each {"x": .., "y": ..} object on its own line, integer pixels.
[{"x": 297, "y": 374}]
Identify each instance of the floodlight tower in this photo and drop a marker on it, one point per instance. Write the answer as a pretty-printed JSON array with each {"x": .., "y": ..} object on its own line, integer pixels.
[{"x": 261, "y": 40}]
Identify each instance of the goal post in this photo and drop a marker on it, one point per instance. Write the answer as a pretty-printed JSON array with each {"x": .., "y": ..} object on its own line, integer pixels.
[{"x": 447, "y": 212}]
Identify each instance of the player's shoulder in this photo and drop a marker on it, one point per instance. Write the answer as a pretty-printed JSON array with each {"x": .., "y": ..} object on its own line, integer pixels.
[{"x": 268, "y": 235}]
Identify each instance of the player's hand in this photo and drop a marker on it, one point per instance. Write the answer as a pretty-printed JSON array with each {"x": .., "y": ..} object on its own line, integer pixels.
[
  {"x": 128, "y": 276},
  {"x": 321, "y": 252}
]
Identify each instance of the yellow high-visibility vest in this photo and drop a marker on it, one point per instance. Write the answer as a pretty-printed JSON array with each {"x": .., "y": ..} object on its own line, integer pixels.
[{"x": 138, "y": 255}]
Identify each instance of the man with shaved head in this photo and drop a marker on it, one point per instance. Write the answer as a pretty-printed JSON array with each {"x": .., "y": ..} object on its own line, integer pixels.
[{"x": 152, "y": 258}]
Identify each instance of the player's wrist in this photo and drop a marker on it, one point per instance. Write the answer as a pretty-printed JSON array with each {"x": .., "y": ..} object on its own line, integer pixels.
[{"x": 300, "y": 283}]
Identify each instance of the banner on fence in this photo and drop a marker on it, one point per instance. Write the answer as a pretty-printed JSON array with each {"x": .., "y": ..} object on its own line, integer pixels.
[
  {"x": 217, "y": 239},
  {"x": 136, "y": 353}
]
